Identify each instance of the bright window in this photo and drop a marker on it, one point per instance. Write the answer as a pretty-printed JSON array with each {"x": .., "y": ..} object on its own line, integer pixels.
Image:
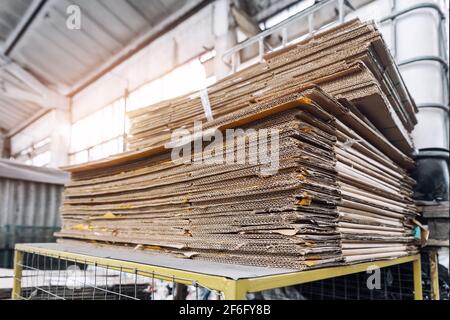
[
  {"x": 103, "y": 133},
  {"x": 146, "y": 95},
  {"x": 286, "y": 13},
  {"x": 99, "y": 135},
  {"x": 182, "y": 80}
]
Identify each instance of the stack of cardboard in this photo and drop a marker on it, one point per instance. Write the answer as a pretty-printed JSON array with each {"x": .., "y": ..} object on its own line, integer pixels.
[
  {"x": 221, "y": 212},
  {"x": 350, "y": 62},
  {"x": 340, "y": 192}
]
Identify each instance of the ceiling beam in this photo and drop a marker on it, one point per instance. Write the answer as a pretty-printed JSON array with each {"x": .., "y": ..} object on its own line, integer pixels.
[
  {"x": 38, "y": 92},
  {"x": 46, "y": 100},
  {"x": 10, "y": 91},
  {"x": 34, "y": 8},
  {"x": 6, "y": 76},
  {"x": 20, "y": 73},
  {"x": 245, "y": 22}
]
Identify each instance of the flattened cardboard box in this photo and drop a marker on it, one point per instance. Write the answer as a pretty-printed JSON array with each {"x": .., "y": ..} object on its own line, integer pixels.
[{"x": 297, "y": 218}]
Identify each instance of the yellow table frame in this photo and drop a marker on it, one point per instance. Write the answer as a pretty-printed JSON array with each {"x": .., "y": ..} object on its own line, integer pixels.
[{"x": 232, "y": 289}]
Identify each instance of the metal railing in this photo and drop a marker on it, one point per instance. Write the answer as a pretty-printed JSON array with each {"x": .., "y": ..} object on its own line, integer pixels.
[{"x": 308, "y": 13}]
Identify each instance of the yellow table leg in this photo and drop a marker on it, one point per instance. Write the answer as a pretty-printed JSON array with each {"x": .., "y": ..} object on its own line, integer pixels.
[
  {"x": 235, "y": 290},
  {"x": 17, "y": 281},
  {"x": 417, "y": 274},
  {"x": 434, "y": 275}
]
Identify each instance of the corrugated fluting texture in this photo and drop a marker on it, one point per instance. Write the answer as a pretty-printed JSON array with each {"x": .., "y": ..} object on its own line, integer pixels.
[
  {"x": 29, "y": 212},
  {"x": 339, "y": 193}
]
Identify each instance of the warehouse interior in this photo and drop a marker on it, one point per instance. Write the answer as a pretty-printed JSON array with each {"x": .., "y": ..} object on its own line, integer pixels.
[{"x": 91, "y": 91}]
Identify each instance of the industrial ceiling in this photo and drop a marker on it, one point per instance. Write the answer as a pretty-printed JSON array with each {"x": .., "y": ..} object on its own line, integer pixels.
[{"x": 42, "y": 60}]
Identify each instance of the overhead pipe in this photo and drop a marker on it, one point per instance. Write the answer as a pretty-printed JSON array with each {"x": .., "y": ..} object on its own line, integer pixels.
[{"x": 24, "y": 26}]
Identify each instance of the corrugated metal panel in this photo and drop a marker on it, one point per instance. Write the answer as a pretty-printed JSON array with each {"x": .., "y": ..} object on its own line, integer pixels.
[
  {"x": 29, "y": 203},
  {"x": 29, "y": 212}
]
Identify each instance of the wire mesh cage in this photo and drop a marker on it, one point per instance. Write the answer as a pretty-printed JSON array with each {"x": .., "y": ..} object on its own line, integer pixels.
[
  {"x": 53, "y": 278},
  {"x": 42, "y": 273},
  {"x": 396, "y": 283}
]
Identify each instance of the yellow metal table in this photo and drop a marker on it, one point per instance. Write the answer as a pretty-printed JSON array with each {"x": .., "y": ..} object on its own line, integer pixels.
[{"x": 233, "y": 281}]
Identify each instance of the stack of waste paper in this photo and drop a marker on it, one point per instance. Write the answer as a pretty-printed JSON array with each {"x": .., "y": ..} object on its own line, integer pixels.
[{"x": 303, "y": 164}]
